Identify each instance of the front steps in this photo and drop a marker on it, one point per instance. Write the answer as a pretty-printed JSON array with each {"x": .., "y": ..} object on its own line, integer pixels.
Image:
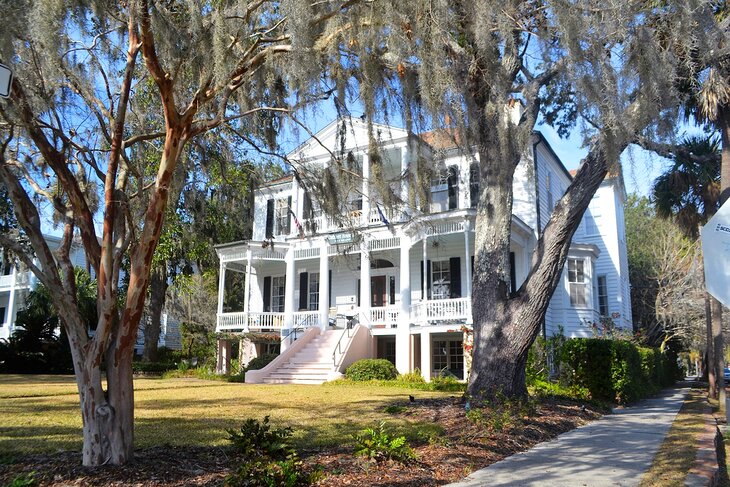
[{"x": 311, "y": 365}]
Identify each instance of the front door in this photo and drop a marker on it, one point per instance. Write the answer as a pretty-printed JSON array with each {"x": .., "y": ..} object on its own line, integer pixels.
[{"x": 378, "y": 291}]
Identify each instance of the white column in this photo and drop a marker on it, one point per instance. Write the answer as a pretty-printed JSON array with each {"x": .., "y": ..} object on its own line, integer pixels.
[
  {"x": 247, "y": 287},
  {"x": 11, "y": 302},
  {"x": 221, "y": 288},
  {"x": 403, "y": 333},
  {"x": 288, "y": 299},
  {"x": 223, "y": 362},
  {"x": 365, "y": 189},
  {"x": 365, "y": 283},
  {"x": 426, "y": 354},
  {"x": 324, "y": 285},
  {"x": 404, "y": 172},
  {"x": 467, "y": 252}
]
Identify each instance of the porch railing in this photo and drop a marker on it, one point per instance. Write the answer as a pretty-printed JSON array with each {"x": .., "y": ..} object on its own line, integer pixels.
[
  {"x": 256, "y": 320},
  {"x": 384, "y": 317},
  {"x": 306, "y": 319},
  {"x": 441, "y": 310}
]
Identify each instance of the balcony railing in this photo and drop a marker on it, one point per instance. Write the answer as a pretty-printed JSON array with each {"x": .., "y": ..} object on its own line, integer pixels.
[
  {"x": 7, "y": 281},
  {"x": 245, "y": 321},
  {"x": 430, "y": 312},
  {"x": 437, "y": 310}
]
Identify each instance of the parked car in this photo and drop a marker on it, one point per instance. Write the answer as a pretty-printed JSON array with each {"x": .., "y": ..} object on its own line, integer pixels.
[{"x": 726, "y": 374}]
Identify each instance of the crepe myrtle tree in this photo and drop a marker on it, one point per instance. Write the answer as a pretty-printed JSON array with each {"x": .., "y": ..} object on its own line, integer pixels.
[
  {"x": 68, "y": 137},
  {"x": 465, "y": 65}
]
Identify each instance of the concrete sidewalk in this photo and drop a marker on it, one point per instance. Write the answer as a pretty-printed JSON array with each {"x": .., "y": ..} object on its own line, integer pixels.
[{"x": 613, "y": 451}]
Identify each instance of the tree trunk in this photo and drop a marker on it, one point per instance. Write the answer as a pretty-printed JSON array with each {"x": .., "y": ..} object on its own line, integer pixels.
[
  {"x": 505, "y": 327},
  {"x": 710, "y": 367},
  {"x": 158, "y": 288},
  {"x": 717, "y": 338}
]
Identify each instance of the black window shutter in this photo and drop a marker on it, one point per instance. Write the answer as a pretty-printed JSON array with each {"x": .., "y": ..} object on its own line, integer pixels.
[
  {"x": 288, "y": 216},
  {"x": 330, "y": 290},
  {"x": 307, "y": 207},
  {"x": 392, "y": 289},
  {"x": 421, "y": 281},
  {"x": 428, "y": 279},
  {"x": 303, "y": 290},
  {"x": 267, "y": 293},
  {"x": 270, "y": 219},
  {"x": 453, "y": 188},
  {"x": 472, "y": 267},
  {"x": 512, "y": 272},
  {"x": 358, "y": 293},
  {"x": 455, "y": 271}
]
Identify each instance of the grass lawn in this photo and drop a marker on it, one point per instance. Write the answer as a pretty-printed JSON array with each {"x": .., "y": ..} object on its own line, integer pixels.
[{"x": 40, "y": 414}]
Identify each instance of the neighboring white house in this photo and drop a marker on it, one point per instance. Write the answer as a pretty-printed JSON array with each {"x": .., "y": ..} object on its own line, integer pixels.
[
  {"x": 17, "y": 281},
  {"x": 169, "y": 333},
  {"x": 317, "y": 275}
]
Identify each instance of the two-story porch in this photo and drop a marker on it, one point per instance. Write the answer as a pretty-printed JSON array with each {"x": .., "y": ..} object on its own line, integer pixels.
[{"x": 408, "y": 284}]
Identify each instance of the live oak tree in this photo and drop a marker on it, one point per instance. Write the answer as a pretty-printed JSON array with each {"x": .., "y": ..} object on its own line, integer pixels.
[
  {"x": 71, "y": 126},
  {"x": 463, "y": 65}
]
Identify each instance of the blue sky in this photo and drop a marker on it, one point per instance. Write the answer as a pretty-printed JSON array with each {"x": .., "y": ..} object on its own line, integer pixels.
[{"x": 640, "y": 167}]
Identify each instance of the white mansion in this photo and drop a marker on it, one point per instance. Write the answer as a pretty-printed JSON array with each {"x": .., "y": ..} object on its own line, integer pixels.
[{"x": 396, "y": 283}]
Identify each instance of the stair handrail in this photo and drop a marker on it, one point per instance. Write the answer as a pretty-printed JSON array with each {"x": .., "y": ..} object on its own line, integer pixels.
[
  {"x": 351, "y": 324},
  {"x": 306, "y": 323}
]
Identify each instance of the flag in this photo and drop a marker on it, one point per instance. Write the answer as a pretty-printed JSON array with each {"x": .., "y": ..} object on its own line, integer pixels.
[
  {"x": 299, "y": 226},
  {"x": 382, "y": 216}
]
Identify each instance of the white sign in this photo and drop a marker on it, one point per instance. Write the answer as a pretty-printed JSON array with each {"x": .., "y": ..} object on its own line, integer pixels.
[
  {"x": 6, "y": 79},
  {"x": 716, "y": 251}
]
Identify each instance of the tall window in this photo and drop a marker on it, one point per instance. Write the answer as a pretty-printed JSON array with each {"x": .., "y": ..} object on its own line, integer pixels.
[
  {"x": 576, "y": 282},
  {"x": 591, "y": 227},
  {"x": 278, "y": 291},
  {"x": 314, "y": 291},
  {"x": 602, "y": 296},
  {"x": 2, "y": 316},
  {"x": 281, "y": 217},
  {"x": 448, "y": 355},
  {"x": 441, "y": 279}
]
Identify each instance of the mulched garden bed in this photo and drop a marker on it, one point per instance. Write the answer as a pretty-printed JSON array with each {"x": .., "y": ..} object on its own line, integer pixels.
[{"x": 463, "y": 447}]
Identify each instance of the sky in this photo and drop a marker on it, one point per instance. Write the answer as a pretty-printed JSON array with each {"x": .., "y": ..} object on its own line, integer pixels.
[{"x": 640, "y": 167}]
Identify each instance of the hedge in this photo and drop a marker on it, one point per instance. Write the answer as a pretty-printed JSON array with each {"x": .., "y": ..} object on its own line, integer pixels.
[
  {"x": 152, "y": 367},
  {"x": 616, "y": 370}
]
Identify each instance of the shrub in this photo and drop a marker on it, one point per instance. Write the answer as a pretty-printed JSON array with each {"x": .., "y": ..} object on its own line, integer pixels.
[
  {"x": 269, "y": 458},
  {"x": 414, "y": 377},
  {"x": 261, "y": 361},
  {"x": 257, "y": 438},
  {"x": 376, "y": 444},
  {"x": 371, "y": 369},
  {"x": 447, "y": 384},
  {"x": 24, "y": 480},
  {"x": 152, "y": 367}
]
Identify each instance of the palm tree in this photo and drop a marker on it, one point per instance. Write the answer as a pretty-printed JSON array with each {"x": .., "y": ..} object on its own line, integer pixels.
[{"x": 689, "y": 191}]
